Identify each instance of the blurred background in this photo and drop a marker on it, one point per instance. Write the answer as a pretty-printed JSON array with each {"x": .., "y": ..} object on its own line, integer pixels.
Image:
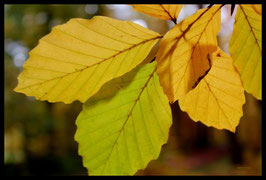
[{"x": 39, "y": 136}]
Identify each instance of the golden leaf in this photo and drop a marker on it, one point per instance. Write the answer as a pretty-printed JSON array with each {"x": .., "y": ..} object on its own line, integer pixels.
[
  {"x": 162, "y": 11},
  {"x": 183, "y": 54},
  {"x": 218, "y": 98},
  {"x": 77, "y": 58}
]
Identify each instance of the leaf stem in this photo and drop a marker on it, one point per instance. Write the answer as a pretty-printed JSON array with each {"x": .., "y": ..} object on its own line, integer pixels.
[{"x": 172, "y": 18}]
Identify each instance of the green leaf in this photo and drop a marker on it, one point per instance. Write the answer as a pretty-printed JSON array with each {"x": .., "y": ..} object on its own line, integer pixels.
[
  {"x": 245, "y": 47},
  {"x": 124, "y": 125}
]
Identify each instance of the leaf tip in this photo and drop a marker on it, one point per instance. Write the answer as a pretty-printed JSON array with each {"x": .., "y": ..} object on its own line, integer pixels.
[
  {"x": 233, "y": 130},
  {"x": 15, "y": 89}
]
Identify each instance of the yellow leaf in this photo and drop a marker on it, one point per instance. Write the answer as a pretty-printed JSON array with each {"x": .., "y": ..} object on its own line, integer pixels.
[
  {"x": 162, "y": 11},
  {"x": 218, "y": 98},
  {"x": 183, "y": 54},
  {"x": 77, "y": 58},
  {"x": 245, "y": 47},
  {"x": 257, "y": 8}
]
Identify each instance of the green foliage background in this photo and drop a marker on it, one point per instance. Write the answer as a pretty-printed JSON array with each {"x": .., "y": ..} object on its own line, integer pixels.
[{"x": 39, "y": 136}]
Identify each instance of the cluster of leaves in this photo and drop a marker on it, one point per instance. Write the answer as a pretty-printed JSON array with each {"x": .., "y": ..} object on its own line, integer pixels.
[{"x": 126, "y": 116}]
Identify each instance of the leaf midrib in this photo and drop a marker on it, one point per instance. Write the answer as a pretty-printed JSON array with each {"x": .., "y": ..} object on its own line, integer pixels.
[
  {"x": 172, "y": 18},
  {"x": 251, "y": 28},
  {"x": 80, "y": 70},
  {"x": 189, "y": 26},
  {"x": 129, "y": 115},
  {"x": 218, "y": 104}
]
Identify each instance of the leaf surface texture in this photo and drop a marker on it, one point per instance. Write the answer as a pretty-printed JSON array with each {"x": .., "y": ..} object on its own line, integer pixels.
[
  {"x": 77, "y": 58},
  {"x": 218, "y": 98},
  {"x": 183, "y": 54},
  {"x": 124, "y": 125},
  {"x": 245, "y": 47},
  {"x": 162, "y": 11}
]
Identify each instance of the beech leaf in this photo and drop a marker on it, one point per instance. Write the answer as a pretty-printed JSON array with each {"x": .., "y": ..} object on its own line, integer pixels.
[
  {"x": 245, "y": 47},
  {"x": 162, "y": 11},
  {"x": 124, "y": 125},
  {"x": 183, "y": 54},
  {"x": 218, "y": 98},
  {"x": 77, "y": 58}
]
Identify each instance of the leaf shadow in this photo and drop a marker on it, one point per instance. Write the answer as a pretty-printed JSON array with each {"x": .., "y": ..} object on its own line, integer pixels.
[
  {"x": 111, "y": 88},
  {"x": 195, "y": 68}
]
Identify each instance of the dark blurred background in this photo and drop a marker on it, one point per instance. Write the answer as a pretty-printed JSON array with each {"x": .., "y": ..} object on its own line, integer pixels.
[{"x": 38, "y": 136}]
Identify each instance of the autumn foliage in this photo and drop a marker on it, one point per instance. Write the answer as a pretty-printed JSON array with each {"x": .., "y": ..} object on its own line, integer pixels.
[{"x": 126, "y": 114}]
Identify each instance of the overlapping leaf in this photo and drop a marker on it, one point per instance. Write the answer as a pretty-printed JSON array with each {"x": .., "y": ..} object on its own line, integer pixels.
[
  {"x": 119, "y": 132},
  {"x": 183, "y": 54},
  {"x": 245, "y": 47},
  {"x": 77, "y": 58},
  {"x": 162, "y": 11},
  {"x": 218, "y": 98}
]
